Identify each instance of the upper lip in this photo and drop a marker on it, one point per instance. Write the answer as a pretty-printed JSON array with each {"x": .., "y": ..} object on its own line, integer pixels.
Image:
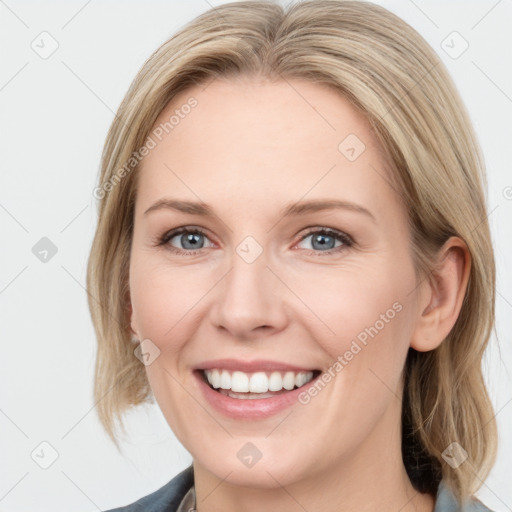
[{"x": 251, "y": 366}]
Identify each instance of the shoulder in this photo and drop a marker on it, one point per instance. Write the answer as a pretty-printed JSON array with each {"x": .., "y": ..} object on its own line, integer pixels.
[
  {"x": 446, "y": 502},
  {"x": 165, "y": 499}
]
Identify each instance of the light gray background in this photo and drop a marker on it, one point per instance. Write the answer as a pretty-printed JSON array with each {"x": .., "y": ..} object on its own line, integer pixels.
[{"x": 55, "y": 113}]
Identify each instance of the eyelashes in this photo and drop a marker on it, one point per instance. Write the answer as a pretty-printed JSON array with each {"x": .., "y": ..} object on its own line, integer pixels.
[
  {"x": 346, "y": 240},
  {"x": 318, "y": 234},
  {"x": 167, "y": 237}
]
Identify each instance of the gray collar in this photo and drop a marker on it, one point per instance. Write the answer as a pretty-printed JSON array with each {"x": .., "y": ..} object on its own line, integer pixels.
[
  {"x": 188, "y": 503},
  {"x": 445, "y": 502}
]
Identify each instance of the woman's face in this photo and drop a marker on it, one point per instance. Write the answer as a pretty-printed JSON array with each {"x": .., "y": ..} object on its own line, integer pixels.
[{"x": 256, "y": 280}]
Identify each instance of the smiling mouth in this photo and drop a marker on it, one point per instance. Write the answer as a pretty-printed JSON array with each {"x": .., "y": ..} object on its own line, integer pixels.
[{"x": 254, "y": 385}]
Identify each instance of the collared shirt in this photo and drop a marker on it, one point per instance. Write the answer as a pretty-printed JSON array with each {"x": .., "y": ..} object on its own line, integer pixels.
[{"x": 178, "y": 495}]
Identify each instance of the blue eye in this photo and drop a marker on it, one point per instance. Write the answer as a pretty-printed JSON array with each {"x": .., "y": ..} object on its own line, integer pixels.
[
  {"x": 190, "y": 241},
  {"x": 324, "y": 240}
]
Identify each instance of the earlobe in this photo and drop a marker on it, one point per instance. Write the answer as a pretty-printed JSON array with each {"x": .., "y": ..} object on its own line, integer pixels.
[
  {"x": 133, "y": 328},
  {"x": 441, "y": 296}
]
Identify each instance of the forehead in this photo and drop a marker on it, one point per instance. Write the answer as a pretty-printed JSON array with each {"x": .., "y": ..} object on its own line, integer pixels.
[{"x": 259, "y": 141}]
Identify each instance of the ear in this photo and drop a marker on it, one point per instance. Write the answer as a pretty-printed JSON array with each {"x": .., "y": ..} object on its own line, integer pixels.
[
  {"x": 441, "y": 296},
  {"x": 133, "y": 328}
]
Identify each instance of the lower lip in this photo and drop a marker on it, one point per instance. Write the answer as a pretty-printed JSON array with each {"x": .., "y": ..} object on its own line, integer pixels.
[{"x": 250, "y": 409}]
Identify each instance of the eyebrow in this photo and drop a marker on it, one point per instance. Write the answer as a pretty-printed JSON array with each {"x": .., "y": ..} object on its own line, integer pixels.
[{"x": 298, "y": 208}]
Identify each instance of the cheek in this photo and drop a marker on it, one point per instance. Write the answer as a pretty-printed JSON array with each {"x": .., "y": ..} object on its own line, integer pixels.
[
  {"x": 361, "y": 316},
  {"x": 154, "y": 298},
  {"x": 365, "y": 330},
  {"x": 166, "y": 299}
]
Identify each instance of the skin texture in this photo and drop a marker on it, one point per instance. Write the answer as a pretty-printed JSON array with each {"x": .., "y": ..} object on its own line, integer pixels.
[{"x": 248, "y": 149}]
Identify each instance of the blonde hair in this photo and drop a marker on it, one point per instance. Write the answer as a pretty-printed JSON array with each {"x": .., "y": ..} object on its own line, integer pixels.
[{"x": 388, "y": 72}]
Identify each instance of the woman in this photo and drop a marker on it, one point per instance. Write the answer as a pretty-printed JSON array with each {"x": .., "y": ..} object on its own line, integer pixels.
[{"x": 292, "y": 230}]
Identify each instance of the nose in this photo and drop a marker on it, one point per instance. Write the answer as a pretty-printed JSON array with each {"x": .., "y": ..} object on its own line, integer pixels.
[{"x": 250, "y": 301}]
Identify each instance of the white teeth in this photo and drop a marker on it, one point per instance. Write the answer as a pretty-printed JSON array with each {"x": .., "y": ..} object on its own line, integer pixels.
[
  {"x": 240, "y": 382},
  {"x": 289, "y": 380},
  {"x": 258, "y": 382},
  {"x": 215, "y": 378},
  {"x": 225, "y": 380}
]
